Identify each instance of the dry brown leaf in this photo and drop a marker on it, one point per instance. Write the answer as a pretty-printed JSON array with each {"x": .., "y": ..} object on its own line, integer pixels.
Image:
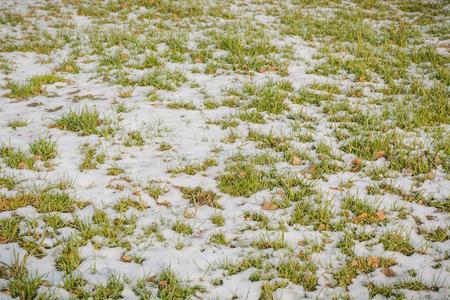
[
  {"x": 360, "y": 218},
  {"x": 126, "y": 258},
  {"x": 388, "y": 272},
  {"x": 296, "y": 161},
  {"x": 356, "y": 161},
  {"x": 269, "y": 206},
  {"x": 373, "y": 261},
  {"x": 380, "y": 215},
  {"x": 379, "y": 154}
]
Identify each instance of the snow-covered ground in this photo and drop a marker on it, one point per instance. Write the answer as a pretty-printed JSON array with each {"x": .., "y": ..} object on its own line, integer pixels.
[{"x": 224, "y": 149}]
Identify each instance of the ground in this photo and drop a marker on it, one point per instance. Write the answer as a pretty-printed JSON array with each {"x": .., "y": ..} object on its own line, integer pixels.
[{"x": 233, "y": 149}]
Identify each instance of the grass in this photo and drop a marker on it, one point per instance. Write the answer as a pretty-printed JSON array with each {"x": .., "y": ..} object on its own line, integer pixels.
[
  {"x": 198, "y": 196},
  {"x": 91, "y": 157},
  {"x": 34, "y": 86},
  {"x": 243, "y": 179},
  {"x": 44, "y": 148},
  {"x": 182, "y": 228},
  {"x": 162, "y": 79},
  {"x": 44, "y": 202},
  {"x": 192, "y": 169},
  {"x": 69, "y": 259},
  {"x": 358, "y": 265},
  {"x": 321, "y": 129},
  {"x": 22, "y": 284},
  {"x": 170, "y": 287},
  {"x": 268, "y": 97},
  {"x": 8, "y": 182},
  {"x": 16, "y": 158},
  {"x": 85, "y": 121},
  {"x": 303, "y": 274},
  {"x": 134, "y": 138},
  {"x": 17, "y": 123},
  {"x": 395, "y": 241}
]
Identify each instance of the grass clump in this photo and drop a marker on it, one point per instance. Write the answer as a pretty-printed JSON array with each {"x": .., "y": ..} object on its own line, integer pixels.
[
  {"x": 44, "y": 148},
  {"x": 163, "y": 79},
  {"x": 69, "y": 259},
  {"x": 16, "y": 158},
  {"x": 134, "y": 138},
  {"x": 306, "y": 213},
  {"x": 8, "y": 182},
  {"x": 193, "y": 169},
  {"x": 91, "y": 158},
  {"x": 303, "y": 274},
  {"x": 183, "y": 228},
  {"x": 14, "y": 124},
  {"x": 22, "y": 284},
  {"x": 359, "y": 265},
  {"x": 243, "y": 179},
  {"x": 395, "y": 241},
  {"x": 198, "y": 196},
  {"x": 32, "y": 87},
  {"x": 111, "y": 290},
  {"x": 268, "y": 97},
  {"x": 44, "y": 202},
  {"x": 85, "y": 122},
  {"x": 170, "y": 287}
]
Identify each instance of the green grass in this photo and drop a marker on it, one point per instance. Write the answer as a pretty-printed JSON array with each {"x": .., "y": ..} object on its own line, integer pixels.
[
  {"x": 44, "y": 148},
  {"x": 44, "y": 202},
  {"x": 34, "y": 86},
  {"x": 69, "y": 259},
  {"x": 91, "y": 157},
  {"x": 198, "y": 196},
  {"x": 192, "y": 169},
  {"x": 162, "y": 79},
  {"x": 170, "y": 287},
  {"x": 395, "y": 241},
  {"x": 267, "y": 97},
  {"x": 303, "y": 274},
  {"x": 182, "y": 228},
  {"x": 85, "y": 121}
]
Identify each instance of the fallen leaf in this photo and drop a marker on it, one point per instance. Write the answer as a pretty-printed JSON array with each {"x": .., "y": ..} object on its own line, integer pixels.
[
  {"x": 21, "y": 165},
  {"x": 296, "y": 161},
  {"x": 273, "y": 68},
  {"x": 280, "y": 192},
  {"x": 163, "y": 283},
  {"x": 125, "y": 258},
  {"x": 360, "y": 218},
  {"x": 379, "y": 154},
  {"x": 6, "y": 291},
  {"x": 269, "y": 206},
  {"x": 322, "y": 227},
  {"x": 356, "y": 161},
  {"x": 388, "y": 272},
  {"x": 380, "y": 215}
]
